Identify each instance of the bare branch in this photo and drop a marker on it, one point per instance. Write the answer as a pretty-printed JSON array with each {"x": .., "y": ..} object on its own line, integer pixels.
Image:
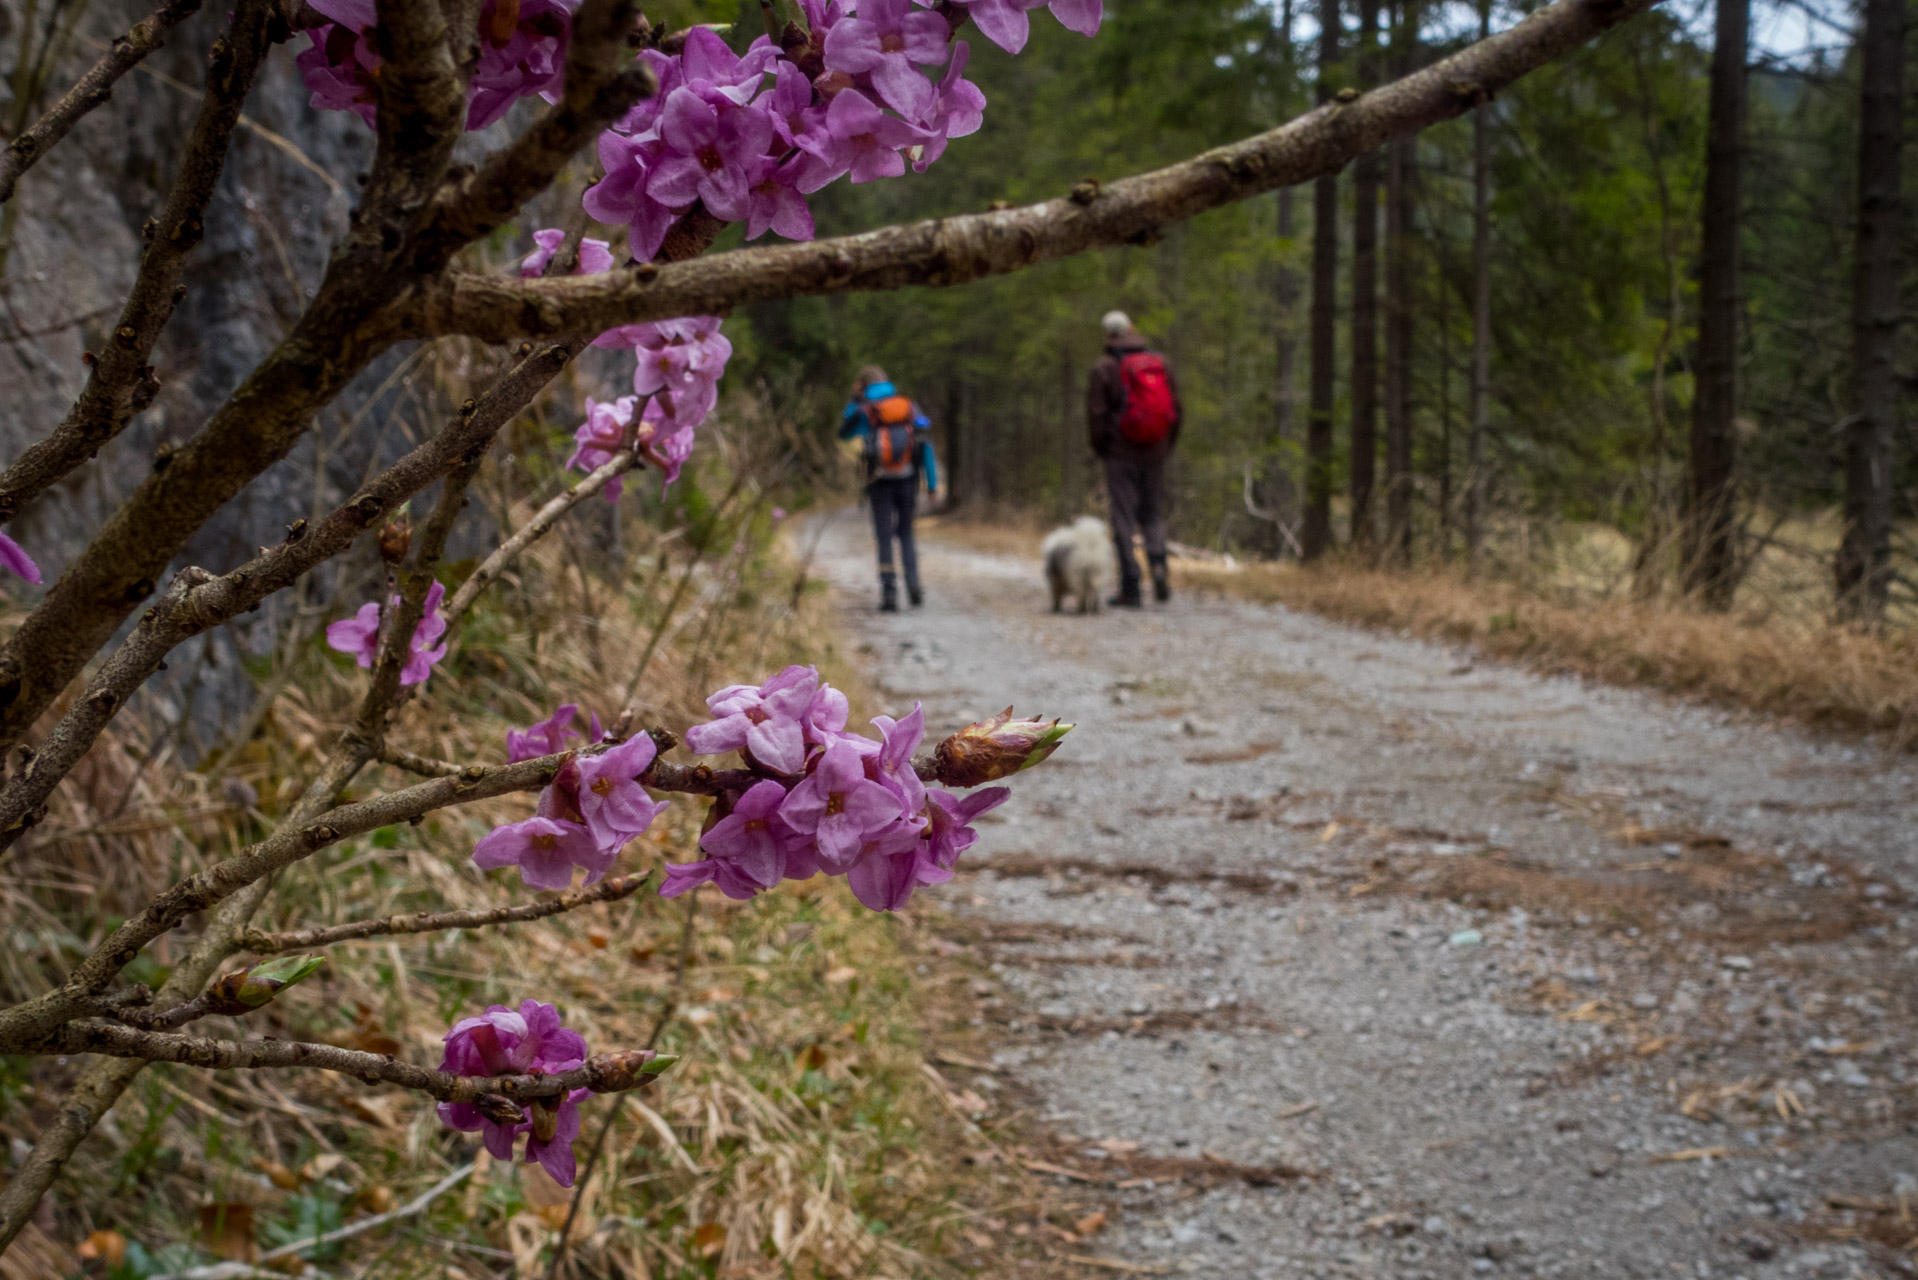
[
  {"x": 121, "y": 382},
  {"x": 293, "y": 842},
  {"x": 89, "y": 91},
  {"x": 532, "y": 531},
  {"x": 602, "y": 1073},
  {"x": 425, "y": 766},
  {"x": 613, "y": 890},
  {"x": 950, "y": 251}
]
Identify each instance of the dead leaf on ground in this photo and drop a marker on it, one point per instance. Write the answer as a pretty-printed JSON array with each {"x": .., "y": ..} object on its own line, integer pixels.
[
  {"x": 104, "y": 1246},
  {"x": 1118, "y": 1148},
  {"x": 844, "y": 973},
  {"x": 1091, "y": 1224},
  {"x": 227, "y": 1229},
  {"x": 1692, "y": 1153},
  {"x": 278, "y": 1174},
  {"x": 709, "y": 1239},
  {"x": 321, "y": 1165}
]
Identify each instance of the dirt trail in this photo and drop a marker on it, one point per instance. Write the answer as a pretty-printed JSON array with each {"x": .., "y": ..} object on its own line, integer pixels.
[{"x": 1542, "y": 978}]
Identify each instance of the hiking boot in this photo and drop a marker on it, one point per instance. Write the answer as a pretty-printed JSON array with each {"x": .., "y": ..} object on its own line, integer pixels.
[
  {"x": 888, "y": 594},
  {"x": 1128, "y": 597},
  {"x": 914, "y": 596},
  {"x": 1161, "y": 580}
]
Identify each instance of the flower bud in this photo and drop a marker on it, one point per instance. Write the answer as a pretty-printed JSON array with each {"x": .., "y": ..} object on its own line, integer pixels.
[
  {"x": 396, "y": 535},
  {"x": 245, "y": 990},
  {"x": 614, "y": 1072},
  {"x": 500, "y": 1109},
  {"x": 996, "y": 748},
  {"x": 545, "y": 1114}
]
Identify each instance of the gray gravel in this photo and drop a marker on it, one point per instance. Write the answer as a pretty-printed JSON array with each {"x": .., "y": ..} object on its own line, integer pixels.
[{"x": 1475, "y": 945}]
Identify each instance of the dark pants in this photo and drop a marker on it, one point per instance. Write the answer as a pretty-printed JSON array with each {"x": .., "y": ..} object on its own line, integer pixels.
[
  {"x": 1137, "y": 490},
  {"x": 892, "y": 503}
]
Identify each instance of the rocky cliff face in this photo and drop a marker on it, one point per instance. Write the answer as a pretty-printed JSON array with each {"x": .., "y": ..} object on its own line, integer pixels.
[{"x": 283, "y": 200}]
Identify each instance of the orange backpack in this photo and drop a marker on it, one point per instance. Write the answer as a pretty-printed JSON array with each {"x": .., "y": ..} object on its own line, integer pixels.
[{"x": 889, "y": 439}]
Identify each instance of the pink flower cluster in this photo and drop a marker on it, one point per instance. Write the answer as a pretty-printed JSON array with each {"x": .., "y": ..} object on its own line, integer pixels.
[
  {"x": 676, "y": 379},
  {"x": 522, "y": 50},
  {"x": 586, "y": 815},
  {"x": 502, "y": 1042},
  {"x": 836, "y": 802},
  {"x": 359, "y": 636}
]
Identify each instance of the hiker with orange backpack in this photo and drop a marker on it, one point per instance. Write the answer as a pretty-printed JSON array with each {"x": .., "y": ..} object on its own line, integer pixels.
[
  {"x": 896, "y": 444},
  {"x": 1132, "y": 415}
]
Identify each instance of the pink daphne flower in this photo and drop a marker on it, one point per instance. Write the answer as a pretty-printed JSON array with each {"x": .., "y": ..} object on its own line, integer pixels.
[
  {"x": 714, "y": 153},
  {"x": 842, "y": 808},
  {"x": 340, "y": 66},
  {"x": 522, "y": 50},
  {"x": 752, "y": 848},
  {"x": 595, "y": 256},
  {"x": 620, "y": 197},
  {"x": 616, "y": 808},
  {"x": 958, "y": 109},
  {"x": 547, "y": 846},
  {"x": 949, "y": 832},
  {"x": 764, "y": 724},
  {"x": 884, "y": 41},
  {"x": 601, "y": 436},
  {"x": 1004, "y": 22},
  {"x": 546, "y": 738},
  {"x": 859, "y": 137},
  {"x": 508, "y": 1042},
  {"x": 359, "y": 636},
  {"x": 15, "y": 557}
]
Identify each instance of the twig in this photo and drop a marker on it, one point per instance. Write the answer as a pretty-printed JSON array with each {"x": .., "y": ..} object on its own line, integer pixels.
[
  {"x": 532, "y": 531},
  {"x": 411, "y": 1209},
  {"x": 613, "y": 890},
  {"x": 602, "y": 1073},
  {"x": 89, "y": 91},
  {"x": 425, "y": 766}
]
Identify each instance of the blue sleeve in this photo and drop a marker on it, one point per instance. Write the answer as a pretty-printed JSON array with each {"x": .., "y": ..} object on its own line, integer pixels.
[
  {"x": 929, "y": 463},
  {"x": 852, "y": 422}
]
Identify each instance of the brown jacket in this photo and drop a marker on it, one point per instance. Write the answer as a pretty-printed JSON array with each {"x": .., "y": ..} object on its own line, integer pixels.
[{"x": 1105, "y": 404}]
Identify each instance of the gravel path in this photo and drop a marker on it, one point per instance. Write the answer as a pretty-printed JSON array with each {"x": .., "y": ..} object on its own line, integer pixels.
[{"x": 1534, "y": 977}]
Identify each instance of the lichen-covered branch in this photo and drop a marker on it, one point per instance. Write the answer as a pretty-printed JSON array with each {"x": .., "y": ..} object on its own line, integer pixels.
[
  {"x": 948, "y": 251},
  {"x": 613, "y": 890},
  {"x": 91, "y": 90}
]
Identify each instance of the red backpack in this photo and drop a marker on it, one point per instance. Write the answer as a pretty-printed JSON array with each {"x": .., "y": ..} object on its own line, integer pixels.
[{"x": 1150, "y": 406}]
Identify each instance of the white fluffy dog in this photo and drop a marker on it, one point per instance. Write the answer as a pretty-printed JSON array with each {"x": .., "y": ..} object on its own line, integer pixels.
[{"x": 1078, "y": 562}]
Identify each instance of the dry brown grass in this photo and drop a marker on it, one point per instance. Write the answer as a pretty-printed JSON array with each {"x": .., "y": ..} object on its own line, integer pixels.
[
  {"x": 806, "y": 1135},
  {"x": 1816, "y": 674},
  {"x": 1771, "y": 660}
]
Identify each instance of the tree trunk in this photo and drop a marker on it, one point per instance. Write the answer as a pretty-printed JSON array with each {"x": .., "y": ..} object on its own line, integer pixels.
[
  {"x": 1481, "y": 397},
  {"x": 1365, "y": 301},
  {"x": 1711, "y": 549},
  {"x": 1317, "y": 532},
  {"x": 1399, "y": 213},
  {"x": 1863, "y": 568},
  {"x": 1276, "y": 482}
]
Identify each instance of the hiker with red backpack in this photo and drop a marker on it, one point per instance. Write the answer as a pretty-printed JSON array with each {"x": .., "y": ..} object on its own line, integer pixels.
[
  {"x": 896, "y": 445},
  {"x": 1132, "y": 414}
]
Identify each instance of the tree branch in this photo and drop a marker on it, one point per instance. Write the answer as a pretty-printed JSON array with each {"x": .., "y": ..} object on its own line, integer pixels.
[
  {"x": 532, "y": 531},
  {"x": 293, "y": 842},
  {"x": 602, "y": 1073},
  {"x": 121, "y": 383},
  {"x": 613, "y": 890},
  {"x": 950, "y": 251},
  {"x": 89, "y": 91}
]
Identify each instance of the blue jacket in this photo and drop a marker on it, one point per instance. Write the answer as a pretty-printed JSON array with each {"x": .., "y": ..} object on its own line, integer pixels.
[{"x": 853, "y": 424}]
